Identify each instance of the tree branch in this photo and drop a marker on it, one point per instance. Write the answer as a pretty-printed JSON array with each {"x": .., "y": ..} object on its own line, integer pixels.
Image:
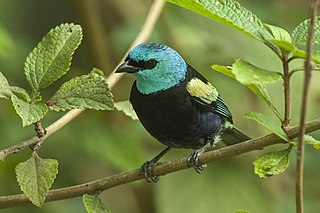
[
  {"x": 307, "y": 76},
  {"x": 287, "y": 92},
  {"x": 144, "y": 34},
  {"x": 160, "y": 169}
]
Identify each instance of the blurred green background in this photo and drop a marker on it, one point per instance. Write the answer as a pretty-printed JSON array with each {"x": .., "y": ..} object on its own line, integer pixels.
[{"x": 98, "y": 144}]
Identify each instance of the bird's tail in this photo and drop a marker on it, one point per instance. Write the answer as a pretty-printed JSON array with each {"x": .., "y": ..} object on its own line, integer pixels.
[{"x": 230, "y": 134}]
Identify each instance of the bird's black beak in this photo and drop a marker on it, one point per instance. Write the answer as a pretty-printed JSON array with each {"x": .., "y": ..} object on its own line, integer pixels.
[{"x": 125, "y": 67}]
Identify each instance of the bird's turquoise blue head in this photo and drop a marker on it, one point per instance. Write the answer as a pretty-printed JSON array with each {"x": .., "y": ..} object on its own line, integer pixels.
[{"x": 156, "y": 66}]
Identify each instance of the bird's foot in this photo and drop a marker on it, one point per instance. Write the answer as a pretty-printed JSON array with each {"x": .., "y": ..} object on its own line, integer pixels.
[
  {"x": 147, "y": 169},
  {"x": 193, "y": 159}
]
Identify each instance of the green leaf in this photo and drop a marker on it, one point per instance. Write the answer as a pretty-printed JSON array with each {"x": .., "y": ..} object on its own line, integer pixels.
[
  {"x": 280, "y": 38},
  {"x": 29, "y": 112},
  {"x": 268, "y": 123},
  {"x": 308, "y": 139},
  {"x": 126, "y": 108},
  {"x": 278, "y": 33},
  {"x": 302, "y": 54},
  {"x": 35, "y": 177},
  {"x": 224, "y": 70},
  {"x": 93, "y": 204},
  {"x": 272, "y": 163},
  {"x": 259, "y": 89},
  {"x": 241, "y": 211},
  {"x": 247, "y": 73},
  {"x": 227, "y": 12},
  {"x": 5, "y": 91},
  {"x": 21, "y": 92},
  {"x": 87, "y": 91},
  {"x": 52, "y": 57},
  {"x": 300, "y": 33},
  {"x": 283, "y": 45}
]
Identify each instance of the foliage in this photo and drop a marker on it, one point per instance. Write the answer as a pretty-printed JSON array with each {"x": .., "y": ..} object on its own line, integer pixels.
[
  {"x": 276, "y": 38},
  {"x": 45, "y": 64},
  {"x": 35, "y": 177},
  {"x": 127, "y": 109},
  {"x": 51, "y": 59},
  {"x": 88, "y": 91},
  {"x": 268, "y": 123},
  {"x": 93, "y": 204},
  {"x": 272, "y": 163}
]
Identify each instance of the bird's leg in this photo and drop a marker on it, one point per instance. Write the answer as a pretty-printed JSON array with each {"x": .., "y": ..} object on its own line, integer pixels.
[
  {"x": 193, "y": 159},
  {"x": 148, "y": 166}
]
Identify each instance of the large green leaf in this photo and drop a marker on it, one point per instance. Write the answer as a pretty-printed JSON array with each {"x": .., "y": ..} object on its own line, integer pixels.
[
  {"x": 278, "y": 33},
  {"x": 228, "y": 12},
  {"x": 28, "y": 112},
  {"x": 300, "y": 33},
  {"x": 268, "y": 123},
  {"x": 272, "y": 163},
  {"x": 259, "y": 89},
  {"x": 88, "y": 91},
  {"x": 36, "y": 176},
  {"x": 247, "y": 73},
  {"x": 52, "y": 57},
  {"x": 126, "y": 108},
  {"x": 93, "y": 204}
]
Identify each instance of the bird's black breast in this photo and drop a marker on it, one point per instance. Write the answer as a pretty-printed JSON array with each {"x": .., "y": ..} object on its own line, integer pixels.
[{"x": 173, "y": 119}]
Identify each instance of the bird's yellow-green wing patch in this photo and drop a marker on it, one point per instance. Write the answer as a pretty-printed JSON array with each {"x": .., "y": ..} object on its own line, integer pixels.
[
  {"x": 204, "y": 91},
  {"x": 208, "y": 97}
]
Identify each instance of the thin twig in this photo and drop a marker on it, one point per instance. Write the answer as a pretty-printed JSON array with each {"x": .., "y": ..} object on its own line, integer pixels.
[
  {"x": 144, "y": 34},
  {"x": 153, "y": 16},
  {"x": 301, "y": 69},
  {"x": 303, "y": 115},
  {"x": 160, "y": 169},
  {"x": 287, "y": 92}
]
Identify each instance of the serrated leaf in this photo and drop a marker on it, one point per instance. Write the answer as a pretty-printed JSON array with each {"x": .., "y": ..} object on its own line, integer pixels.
[
  {"x": 268, "y": 123},
  {"x": 278, "y": 33},
  {"x": 5, "y": 91},
  {"x": 126, "y": 108},
  {"x": 272, "y": 163},
  {"x": 228, "y": 12},
  {"x": 247, "y": 73},
  {"x": 300, "y": 33},
  {"x": 308, "y": 139},
  {"x": 29, "y": 112},
  {"x": 93, "y": 204},
  {"x": 21, "y": 92},
  {"x": 87, "y": 91},
  {"x": 36, "y": 176},
  {"x": 52, "y": 57},
  {"x": 259, "y": 89}
]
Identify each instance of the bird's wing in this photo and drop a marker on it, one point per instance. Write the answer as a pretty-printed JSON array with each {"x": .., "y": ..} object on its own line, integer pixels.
[{"x": 206, "y": 96}]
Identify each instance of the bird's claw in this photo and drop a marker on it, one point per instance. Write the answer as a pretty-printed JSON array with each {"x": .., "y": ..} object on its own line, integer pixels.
[
  {"x": 147, "y": 170},
  {"x": 193, "y": 159}
]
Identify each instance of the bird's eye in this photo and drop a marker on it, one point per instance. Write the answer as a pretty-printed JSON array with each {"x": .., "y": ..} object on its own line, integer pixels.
[
  {"x": 150, "y": 64},
  {"x": 127, "y": 58}
]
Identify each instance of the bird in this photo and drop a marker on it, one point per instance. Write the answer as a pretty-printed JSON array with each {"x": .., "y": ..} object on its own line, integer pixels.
[{"x": 177, "y": 105}]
